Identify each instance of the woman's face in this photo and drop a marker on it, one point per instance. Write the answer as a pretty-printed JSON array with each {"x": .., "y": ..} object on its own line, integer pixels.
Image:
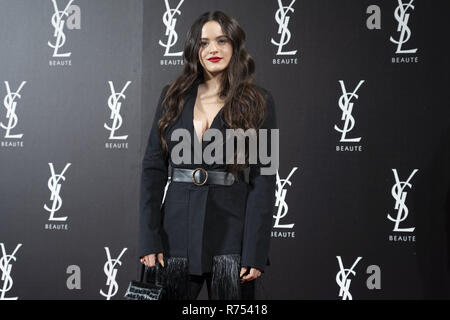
[{"x": 214, "y": 44}]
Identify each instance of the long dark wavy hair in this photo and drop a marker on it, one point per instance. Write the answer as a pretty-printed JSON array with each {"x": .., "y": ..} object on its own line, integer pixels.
[{"x": 244, "y": 105}]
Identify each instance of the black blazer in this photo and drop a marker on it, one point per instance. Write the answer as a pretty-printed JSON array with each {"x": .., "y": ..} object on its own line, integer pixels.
[{"x": 199, "y": 222}]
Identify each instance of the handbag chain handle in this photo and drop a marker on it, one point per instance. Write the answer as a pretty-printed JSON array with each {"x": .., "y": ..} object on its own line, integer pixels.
[
  {"x": 142, "y": 273},
  {"x": 155, "y": 272}
]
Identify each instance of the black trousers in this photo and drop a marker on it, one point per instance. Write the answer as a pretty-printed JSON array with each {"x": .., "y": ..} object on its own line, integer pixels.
[{"x": 195, "y": 285}]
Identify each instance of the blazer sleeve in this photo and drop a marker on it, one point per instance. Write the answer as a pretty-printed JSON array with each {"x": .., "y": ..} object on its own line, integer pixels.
[
  {"x": 260, "y": 204},
  {"x": 153, "y": 180}
]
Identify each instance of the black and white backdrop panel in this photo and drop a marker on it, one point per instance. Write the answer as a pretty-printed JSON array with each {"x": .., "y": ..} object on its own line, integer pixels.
[{"x": 361, "y": 91}]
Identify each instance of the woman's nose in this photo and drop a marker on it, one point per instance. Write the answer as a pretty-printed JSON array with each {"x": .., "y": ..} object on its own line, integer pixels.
[{"x": 213, "y": 48}]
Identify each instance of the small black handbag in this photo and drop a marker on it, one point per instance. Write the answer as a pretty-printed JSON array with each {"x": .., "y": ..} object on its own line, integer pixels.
[{"x": 146, "y": 289}]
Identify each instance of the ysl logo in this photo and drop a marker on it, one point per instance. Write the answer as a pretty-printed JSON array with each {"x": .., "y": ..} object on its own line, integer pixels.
[
  {"x": 400, "y": 197},
  {"x": 55, "y": 188},
  {"x": 58, "y": 23},
  {"x": 405, "y": 33},
  {"x": 347, "y": 107},
  {"x": 115, "y": 105},
  {"x": 283, "y": 20},
  {"x": 10, "y": 106},
  {"x": 342, "y": 279},
  {"x": 280, "y": 202},
  {"x": 111, "y": 273},
  {"x": 5, "y": 268},
  {"x": 170, "y": 22}
]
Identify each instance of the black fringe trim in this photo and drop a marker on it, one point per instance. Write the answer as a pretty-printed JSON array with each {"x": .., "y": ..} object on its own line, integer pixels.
[
  {"x": 174, "y": 278},
  {"x": 225, "y": 282}
]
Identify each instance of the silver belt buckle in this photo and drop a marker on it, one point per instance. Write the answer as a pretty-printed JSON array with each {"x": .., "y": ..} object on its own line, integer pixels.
[{"x": 193, "y": 176}]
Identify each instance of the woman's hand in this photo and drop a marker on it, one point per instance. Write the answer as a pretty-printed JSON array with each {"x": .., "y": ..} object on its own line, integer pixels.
[
  {"x": 252, "y": 275},
  {"x": 149, "y": 260}
]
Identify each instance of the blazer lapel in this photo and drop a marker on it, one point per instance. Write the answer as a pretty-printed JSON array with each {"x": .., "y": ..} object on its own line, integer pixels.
[{"x": 187, "y": 116}]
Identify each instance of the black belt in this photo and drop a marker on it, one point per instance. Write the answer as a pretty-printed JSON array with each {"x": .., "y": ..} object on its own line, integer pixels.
[{"x": 201, "y": 176}]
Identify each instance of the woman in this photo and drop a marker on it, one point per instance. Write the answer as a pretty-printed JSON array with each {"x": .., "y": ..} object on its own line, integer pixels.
[{"x": 215, "y": 221}]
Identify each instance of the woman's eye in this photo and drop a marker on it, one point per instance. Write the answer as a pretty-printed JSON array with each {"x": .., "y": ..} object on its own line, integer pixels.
[{"x": 221, "y": 41}]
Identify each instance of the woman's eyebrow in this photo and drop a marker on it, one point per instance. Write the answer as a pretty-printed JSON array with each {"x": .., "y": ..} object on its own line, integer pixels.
[{"x": 216, "y": 37}]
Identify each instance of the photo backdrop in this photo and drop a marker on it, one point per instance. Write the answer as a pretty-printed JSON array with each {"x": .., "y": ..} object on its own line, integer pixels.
[{"x": 361, "y": 94}]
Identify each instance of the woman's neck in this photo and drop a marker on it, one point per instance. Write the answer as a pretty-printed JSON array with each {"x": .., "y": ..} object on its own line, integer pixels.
[{"x": 212, "y": 84}]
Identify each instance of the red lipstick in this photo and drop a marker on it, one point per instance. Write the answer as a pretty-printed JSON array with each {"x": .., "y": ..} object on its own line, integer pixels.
[{"x": 215, "y": 59}]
